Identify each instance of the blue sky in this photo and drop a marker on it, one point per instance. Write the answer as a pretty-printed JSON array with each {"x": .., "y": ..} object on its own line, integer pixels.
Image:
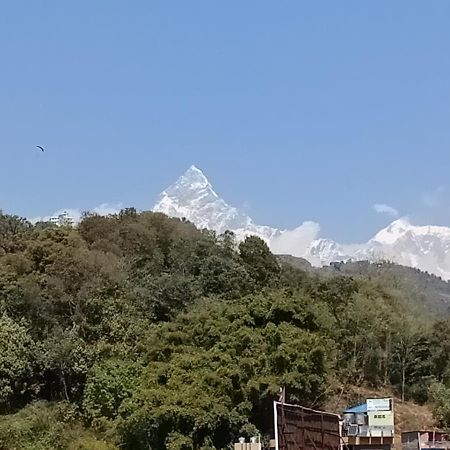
[{"x": 295, "y": 110}]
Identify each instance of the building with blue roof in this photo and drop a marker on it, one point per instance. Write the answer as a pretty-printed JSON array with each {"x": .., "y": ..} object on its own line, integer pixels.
[
  {"x": 369, "y": 425},
  {"x": 358, "y": 409}
]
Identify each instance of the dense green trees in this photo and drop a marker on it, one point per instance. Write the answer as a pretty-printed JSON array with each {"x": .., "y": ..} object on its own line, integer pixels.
[
  {"x": 215, "y": 369},
  {"x": 155, "y": 334},
  {"x": 16, "y": 358}
]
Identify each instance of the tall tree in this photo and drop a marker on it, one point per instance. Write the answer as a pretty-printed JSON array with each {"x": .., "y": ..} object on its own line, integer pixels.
[{"x": 261, "y": 264}]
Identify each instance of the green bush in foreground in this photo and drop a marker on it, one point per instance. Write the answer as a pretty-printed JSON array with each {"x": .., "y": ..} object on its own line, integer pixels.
[{"x": 46, "y": 426}]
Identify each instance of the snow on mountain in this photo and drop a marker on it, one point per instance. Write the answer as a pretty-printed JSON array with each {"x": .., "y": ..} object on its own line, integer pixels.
[
  {"x": 193, "y": 198},
  {"x": 423, "y": 247},
  {"x": 323, "y": 251},
  {"x": 393, "y": 232}
]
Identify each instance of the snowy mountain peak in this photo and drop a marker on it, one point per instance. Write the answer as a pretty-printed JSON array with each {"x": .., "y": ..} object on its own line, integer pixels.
[
  {"x": 401, "y": 223},
  {"x": 195, "y": 178},
  {"x": 193, "y": 198},
  {"x": 192, "y": 182},
  {"x": 400, "y": 228},
  {"x": 394, "y": 231},
  {"x": 194, "y": 169}
]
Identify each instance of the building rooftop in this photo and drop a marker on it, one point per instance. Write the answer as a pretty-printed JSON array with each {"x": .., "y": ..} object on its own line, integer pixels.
[{"x": 362, "y": 408}]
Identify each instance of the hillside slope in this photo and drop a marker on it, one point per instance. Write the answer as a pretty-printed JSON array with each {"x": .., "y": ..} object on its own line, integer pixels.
[
  {"x": 408, "y": 415},
  {"x": 423, "y": 289}
]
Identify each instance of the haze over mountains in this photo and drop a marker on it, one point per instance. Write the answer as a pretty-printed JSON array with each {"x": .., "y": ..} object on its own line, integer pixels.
[{"x": 424, "y": 247}]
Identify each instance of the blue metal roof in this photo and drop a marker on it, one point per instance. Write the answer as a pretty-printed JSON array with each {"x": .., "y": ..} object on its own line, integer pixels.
[{"x": 362, "y": 408}]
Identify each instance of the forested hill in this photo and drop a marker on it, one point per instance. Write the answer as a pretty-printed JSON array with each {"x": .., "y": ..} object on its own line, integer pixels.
[
  {"x": 424, "y": 290},
  {"x": 138, "y": 331}
]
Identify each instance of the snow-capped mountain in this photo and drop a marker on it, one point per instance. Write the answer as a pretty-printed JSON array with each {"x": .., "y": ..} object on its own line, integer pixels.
[
  {"x": 323, "y": 251},
  {"x": 193, "y": 197},
  {"x": 423, "y": 247}
]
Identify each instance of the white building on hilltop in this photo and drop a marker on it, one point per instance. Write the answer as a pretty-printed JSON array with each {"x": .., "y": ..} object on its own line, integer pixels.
[{"x": 62, "y": 220}]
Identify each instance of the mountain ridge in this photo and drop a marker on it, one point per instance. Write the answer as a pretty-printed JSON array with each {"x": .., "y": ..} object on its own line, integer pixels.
[
  {"x": 424, "y": 247},
  {"x": 427, "y": 292}
]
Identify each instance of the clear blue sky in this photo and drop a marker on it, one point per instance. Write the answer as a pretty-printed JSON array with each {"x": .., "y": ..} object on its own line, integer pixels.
[{"x": 295, "y": 110}]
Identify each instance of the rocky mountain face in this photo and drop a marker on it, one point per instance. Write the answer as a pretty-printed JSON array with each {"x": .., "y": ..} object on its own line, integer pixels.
[
  {"x": 193, "y": 198},
  {"x": 424, "y": 247}
]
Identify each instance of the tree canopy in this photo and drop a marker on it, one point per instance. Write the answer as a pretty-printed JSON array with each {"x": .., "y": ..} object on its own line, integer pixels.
[{"x": 141, "y": 331}]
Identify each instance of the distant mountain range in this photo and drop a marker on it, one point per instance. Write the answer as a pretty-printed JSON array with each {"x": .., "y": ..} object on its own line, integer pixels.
[{"x": 424, "y": 247}]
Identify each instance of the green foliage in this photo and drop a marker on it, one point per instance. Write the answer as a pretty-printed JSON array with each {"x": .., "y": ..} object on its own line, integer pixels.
[
  {"x": 65, "y": 356},
  {"x": 108, "y": 384},
  {"x": 440, "y": 348},
  {"x": 45, "y": 426},
  {"x": 259, "y": 261},
  {"x": 426, "y": 292},
  {"x": 411, "y": 355},
  {"x": 440, "y": 399},
  {"x": 12, "y": 230},
  {"x": 16, "y": 355},
  {"x": 164, "y": 336},
  {"x": 238, "y": 354}
]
